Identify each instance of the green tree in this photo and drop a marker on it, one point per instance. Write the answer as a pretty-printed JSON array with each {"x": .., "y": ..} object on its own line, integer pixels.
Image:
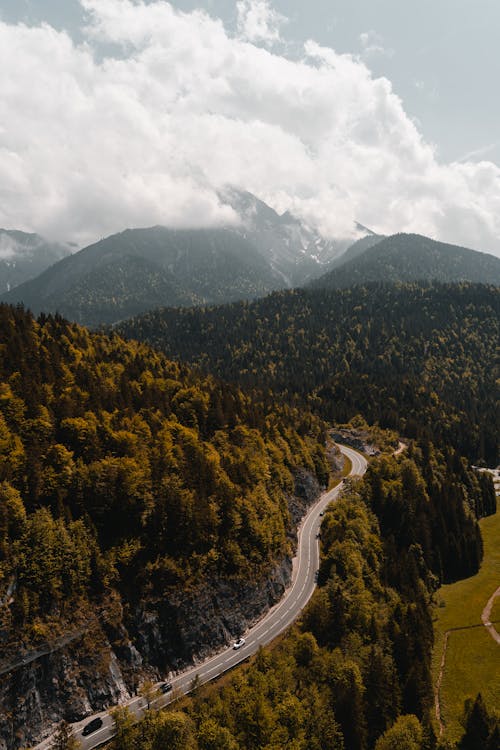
[
  {"x": 211, "y": 736},
  {"x": 175, "y": 731},
  {"x": 125, "y": 729},
  {"x": 405, "y": 734},
  {"x": 477, "y": 725},
  {"x": 148, "y": 691}
]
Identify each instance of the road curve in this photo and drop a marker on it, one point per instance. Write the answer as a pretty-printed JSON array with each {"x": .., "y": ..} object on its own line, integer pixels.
[{"x": 276, "y": 620}]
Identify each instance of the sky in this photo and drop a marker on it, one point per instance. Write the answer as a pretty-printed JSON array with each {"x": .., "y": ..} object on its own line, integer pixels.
[{"x": 117, "y": 113}]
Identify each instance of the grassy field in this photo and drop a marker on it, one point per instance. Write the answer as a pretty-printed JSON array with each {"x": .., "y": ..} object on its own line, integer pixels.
[{"x": 473, "y": 658}]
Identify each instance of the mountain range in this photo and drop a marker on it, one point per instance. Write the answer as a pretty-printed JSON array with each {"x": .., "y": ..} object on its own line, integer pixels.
[
  {"x": 149, "y": 506},
  {"x": 138, "y": 269},
  {"x": 129, "y": 273}
]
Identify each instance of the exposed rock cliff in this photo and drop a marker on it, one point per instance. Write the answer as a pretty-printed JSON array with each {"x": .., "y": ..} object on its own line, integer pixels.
[{"x": 105, "y": 665}]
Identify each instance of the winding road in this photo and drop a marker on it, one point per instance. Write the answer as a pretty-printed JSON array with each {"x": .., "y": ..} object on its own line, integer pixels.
[{"x": 276, "y": 620}]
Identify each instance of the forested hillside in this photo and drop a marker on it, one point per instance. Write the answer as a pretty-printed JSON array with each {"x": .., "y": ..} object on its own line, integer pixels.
[
  {"x": 144, "y": 505},
  {"x": 406, "y": 258},
  {"x": 137, "y": 269},
  {"x": 355, "y": 673},
  {"x": 422, "y": 359},
  {"x": 128, "y": 482}
]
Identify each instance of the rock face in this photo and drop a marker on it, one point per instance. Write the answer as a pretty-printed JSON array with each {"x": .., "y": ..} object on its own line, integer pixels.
[
  {"x": 106, "y": 665},
  {"x": 188, "y": 628},
  {"x": 69, "y": 683},
  {"x": 357, "y": 439}
]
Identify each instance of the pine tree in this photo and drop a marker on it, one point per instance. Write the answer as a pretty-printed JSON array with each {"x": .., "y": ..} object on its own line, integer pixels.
[{"x": 477, "y": 726}]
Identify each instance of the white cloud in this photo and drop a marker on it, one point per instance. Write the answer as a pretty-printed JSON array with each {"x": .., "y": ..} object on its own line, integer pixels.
[
  {"x": 89, "y": 145},
  {"x": 258, "y": 21}
]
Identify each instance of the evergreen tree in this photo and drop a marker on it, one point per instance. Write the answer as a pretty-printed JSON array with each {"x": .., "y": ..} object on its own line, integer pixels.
[
  {"x": 477, "y": 725},
  {"x": 405, "y": 734}
]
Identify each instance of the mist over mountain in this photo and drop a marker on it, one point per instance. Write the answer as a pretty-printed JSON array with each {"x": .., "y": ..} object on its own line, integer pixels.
[
  {"x": 139, "y": 269},
  {"x": 406, "y": 258},
  {"x": 142, "y": 268},
  {"x": 248, "y": 495},
  {"x": 23, "y": 256},
  {"x": 294, "y": 250}
]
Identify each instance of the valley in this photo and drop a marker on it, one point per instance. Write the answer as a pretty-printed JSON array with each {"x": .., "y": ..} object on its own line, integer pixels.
[
  {"x": 153, "y": 475},
  {"x": 249, "y": 375}
]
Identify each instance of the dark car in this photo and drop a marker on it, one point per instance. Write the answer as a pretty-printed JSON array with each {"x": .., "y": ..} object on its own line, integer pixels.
[
  {"x": 166, "y": 687},
  {"x": 92, "y": 726}
]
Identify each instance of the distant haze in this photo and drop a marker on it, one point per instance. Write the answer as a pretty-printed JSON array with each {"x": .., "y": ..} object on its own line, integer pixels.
[
  {"x": 9, "y": 248},
  {"x": 144, "y": 112}
]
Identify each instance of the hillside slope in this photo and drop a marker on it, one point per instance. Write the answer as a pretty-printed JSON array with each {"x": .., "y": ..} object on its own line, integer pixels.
[
  {"x": 140, "y": 268},
  {"x": 421, "y": 359},
  {"x": 147, "y": 515},
  {"x": 410, "y": 257}
]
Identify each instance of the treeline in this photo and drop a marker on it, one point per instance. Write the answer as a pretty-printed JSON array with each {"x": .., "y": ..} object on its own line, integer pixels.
[
  {"x": 421, "y": 359},
  {"x": 355, "y": 673},
  {"x": 123, "y": 474}
]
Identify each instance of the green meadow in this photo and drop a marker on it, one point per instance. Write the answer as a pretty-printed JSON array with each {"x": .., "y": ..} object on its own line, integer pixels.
[{"x": 473, "y": 658}]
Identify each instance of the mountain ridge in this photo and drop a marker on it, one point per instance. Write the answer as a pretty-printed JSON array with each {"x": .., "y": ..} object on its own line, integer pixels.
[
  {"x": 190, "y": 266},
  {"x": 408, "y": 258}
]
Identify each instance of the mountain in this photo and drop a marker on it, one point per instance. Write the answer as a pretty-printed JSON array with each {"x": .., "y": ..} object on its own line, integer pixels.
[
  {"x": 295, "y": 251},
  {"x": 23, "y": 256},
  {"x": 419, "y": 358},
  {"x": 138, "y": 269},
  {"x": 356, "y": 249},
  {"x": 409, "y": 257}
]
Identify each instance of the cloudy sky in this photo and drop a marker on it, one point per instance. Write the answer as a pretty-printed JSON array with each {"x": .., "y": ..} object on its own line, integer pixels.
[{"x": 118, "y": 113}]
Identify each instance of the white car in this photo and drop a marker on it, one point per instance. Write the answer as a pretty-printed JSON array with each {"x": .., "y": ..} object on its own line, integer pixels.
[{"x": 239, "y": 643}]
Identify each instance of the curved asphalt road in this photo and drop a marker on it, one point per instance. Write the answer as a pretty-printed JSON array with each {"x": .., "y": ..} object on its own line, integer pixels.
[{"x": 277, "y": 619}]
